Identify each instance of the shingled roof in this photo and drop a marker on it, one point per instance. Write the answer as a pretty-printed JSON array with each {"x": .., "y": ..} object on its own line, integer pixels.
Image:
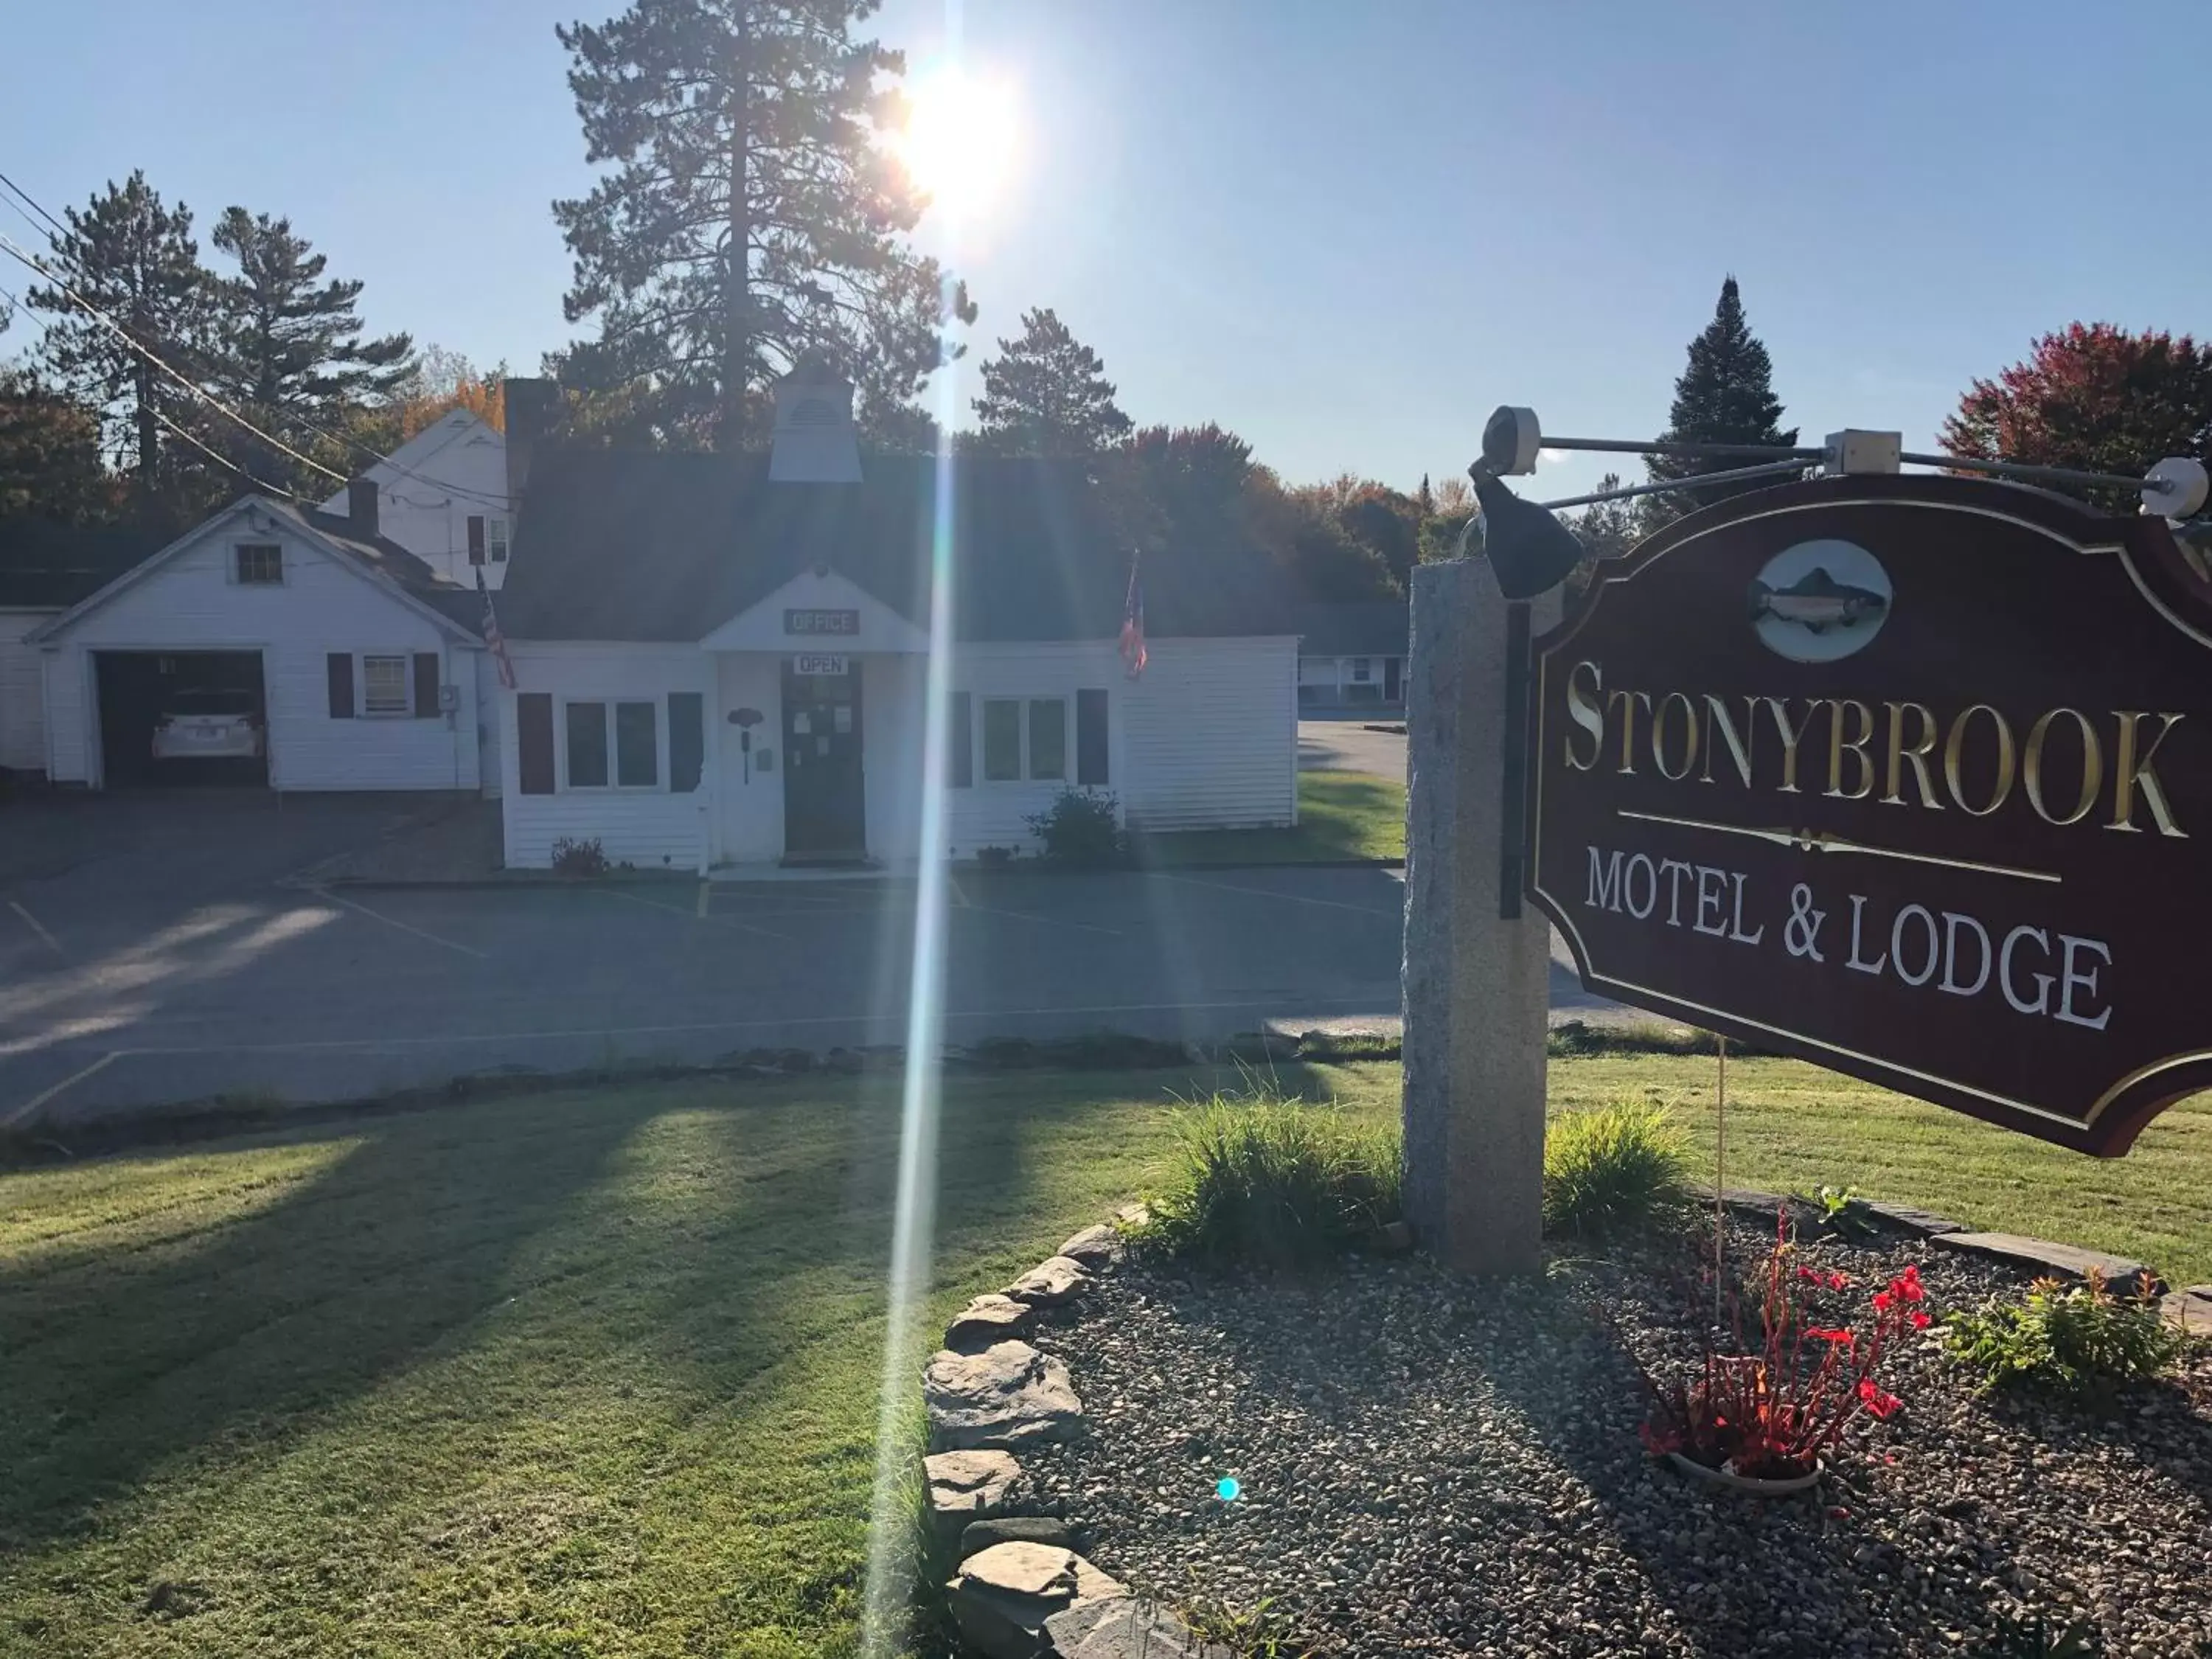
[
  {"x": 646, "y": 545},
  {"x": 44, "y": 566},
  {"x": 1367, "y": 627}
]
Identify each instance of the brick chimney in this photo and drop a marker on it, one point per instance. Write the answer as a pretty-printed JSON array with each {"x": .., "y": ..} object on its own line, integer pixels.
[
  {"x": 361, "y": 507},
  {"x": 532, "y": 407},
  {"x": 814, "y": 438}
]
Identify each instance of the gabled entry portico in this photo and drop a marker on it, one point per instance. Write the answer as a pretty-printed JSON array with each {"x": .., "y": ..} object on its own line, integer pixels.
[{"x": 823, "y": 774}]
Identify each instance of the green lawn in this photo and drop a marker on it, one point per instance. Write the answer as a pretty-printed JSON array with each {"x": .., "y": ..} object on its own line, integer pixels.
[
  {"x": 593, "y": 1374},
  {"x": 1341, "y": 815}
]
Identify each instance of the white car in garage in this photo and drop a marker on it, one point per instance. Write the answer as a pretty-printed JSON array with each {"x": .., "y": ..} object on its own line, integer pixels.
[{"x": 208, "y": 725}]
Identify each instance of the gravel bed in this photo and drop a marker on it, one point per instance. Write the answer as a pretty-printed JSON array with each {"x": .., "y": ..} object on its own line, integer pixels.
[{"x": 1431, "y": 1465}]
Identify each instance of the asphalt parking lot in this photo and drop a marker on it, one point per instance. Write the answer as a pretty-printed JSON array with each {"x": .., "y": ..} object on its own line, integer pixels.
[{"x": 154, "y": 952}]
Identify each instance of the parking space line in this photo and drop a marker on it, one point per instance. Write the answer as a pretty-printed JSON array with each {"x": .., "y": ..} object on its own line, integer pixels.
[
  {"x": 393, "y": 921},
  {"x": 67, "y": 1082},
  {"x": 32, "y": 922},
  {"x": 704, "y": 889},
  {"x": 1049, "y": 922},
  {"x": 670, "y": 910},
  {"x": 1392, "y": 915}
]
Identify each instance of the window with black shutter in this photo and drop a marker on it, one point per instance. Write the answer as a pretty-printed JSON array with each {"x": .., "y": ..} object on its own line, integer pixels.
[
  {"x": 962, "y": 740},
  {"x": 533, "y": 748},
  {"x": 476, "y": 538},
  {"x": 340, "y": 665},
  {"x": 1091, "y": 738},
  {"x": 426, "y": 684},
  {"x": 687, "y": 741}
]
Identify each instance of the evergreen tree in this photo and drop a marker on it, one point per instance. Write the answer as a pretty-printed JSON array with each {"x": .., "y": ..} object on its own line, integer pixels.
[
  {"x": 288, "y": 344},
  {"x": 49, "y": 465},
  {"x": 1046, "y": 394},
  {"x": 750, "y": 216},
  {"x": 132, "y": 257},
  {"x": 1725, "y": 395}
]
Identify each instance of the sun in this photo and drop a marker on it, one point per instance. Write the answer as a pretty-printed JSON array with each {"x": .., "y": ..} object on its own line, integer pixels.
[{"x": 960, "y": 139}]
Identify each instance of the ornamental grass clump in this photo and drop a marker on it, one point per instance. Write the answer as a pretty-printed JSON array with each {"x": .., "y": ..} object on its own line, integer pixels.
[
  {"x": 2080, "y": 1340},
  {"x": 1620, "y": 1167},
  {"x": 1264, "y": 1180},
  {"x": 1776, "y": 1407}
]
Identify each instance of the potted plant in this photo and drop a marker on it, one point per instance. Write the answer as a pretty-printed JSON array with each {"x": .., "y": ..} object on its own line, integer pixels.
[{"x": 1764, "y": 1418}]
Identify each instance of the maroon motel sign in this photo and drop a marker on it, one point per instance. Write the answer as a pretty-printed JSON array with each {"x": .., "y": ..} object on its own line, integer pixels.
[{"x": 1908, "y": 776}]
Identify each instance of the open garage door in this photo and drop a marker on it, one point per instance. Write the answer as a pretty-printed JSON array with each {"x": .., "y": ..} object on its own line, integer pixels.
[{"x": 182, "y": 717}]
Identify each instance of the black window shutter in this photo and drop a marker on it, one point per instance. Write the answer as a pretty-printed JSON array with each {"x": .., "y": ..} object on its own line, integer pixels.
[
  {"x": 340, "y": 664},
  {"x": 533, "y": 748},
  {"x": 426, "y": 684},
  {"x": 962, "y": 739},
  {"x": 476, "y": 538},
  {"x": 687, "y": 741},
  {"x": 1091, "y": 738}
]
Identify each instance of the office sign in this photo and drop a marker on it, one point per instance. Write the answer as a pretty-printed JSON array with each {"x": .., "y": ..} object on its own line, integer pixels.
[
  {"x": 812, "y": 664},
  {"x": 820, "y": 622},
  {"x": 1910, "y": 777}
]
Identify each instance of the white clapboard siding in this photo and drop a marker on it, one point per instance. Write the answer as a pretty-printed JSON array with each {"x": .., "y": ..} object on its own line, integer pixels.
[
  {"x": 1210, "y": 735},
  {"x": 997, "y": 814},
  {"x": 651, "y": 829},
  {"x": 22, "y": 696},
  {"x": 189, "y": 602}
]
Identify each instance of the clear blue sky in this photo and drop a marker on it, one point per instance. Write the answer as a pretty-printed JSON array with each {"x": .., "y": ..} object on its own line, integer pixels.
[{"x": 1345, "y": 230}]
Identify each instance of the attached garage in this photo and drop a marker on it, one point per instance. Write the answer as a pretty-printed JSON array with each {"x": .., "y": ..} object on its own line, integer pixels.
[
  {"x": 182, "y": 717},
  {"x": 272, "y": 647}
]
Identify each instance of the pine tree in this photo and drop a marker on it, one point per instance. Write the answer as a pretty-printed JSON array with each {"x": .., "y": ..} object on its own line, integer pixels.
[
  {"x": 288, "y": 344},
  {"x": 49, "y": 465},
  {"x": 684, "y": 97},
  {"x": 1725, "y": 395},
  {"x": 1046, "y": 394},
  {"x": 133, "y": 257}
]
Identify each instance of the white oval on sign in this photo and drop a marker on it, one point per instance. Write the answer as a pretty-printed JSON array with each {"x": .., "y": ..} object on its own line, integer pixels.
[{"x": 1819, "y": 601}]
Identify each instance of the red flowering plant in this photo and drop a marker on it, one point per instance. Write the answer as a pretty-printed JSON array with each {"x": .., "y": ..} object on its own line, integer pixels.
[{"x": 1775, "y": 1412}]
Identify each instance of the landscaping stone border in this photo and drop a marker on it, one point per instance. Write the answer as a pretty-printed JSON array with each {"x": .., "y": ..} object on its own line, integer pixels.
[{"x": 1022, "y": 1589}]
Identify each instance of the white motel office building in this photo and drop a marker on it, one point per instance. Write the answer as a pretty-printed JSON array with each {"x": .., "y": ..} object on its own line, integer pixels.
[{"x": 720, "y": 660}]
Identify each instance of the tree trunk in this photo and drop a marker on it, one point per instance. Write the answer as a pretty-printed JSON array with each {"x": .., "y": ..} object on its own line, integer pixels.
[
  {"x": 737, "y": 295},
  {"x": 149, "y": 434}
]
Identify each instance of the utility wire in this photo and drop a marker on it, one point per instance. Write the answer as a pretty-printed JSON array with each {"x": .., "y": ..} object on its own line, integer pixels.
[
  {"x": 10, "y": 247},
  {"x": 61, "y": 231},
  {"x": 224, "y": 460}
]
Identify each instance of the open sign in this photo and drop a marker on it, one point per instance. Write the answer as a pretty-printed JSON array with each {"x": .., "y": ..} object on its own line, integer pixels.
[{"x": 814, "y": 664}]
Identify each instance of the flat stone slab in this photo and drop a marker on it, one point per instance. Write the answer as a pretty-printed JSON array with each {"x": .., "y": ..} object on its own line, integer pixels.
[
  {"x": 1126, "y": 1627},
  {"x": 980, "y": 1535},
  {"x": 1008, "y": 1395},
  {"x": 964, "y": 1486},
  {"x": 2061, "y": 1260},
  {"x": 1002, "y": 1597},
  {"x": 1926, "y": 1223},
  {"x": 2192, "y": 1310},
  {"x": 988, "y": 1319},
  {"x": 1093, "y": 1247},
  {"x": 1053, "y": 1281}
]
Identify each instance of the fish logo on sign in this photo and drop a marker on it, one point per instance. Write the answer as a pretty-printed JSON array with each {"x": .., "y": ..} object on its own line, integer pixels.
[{"x": 1819, "y": 601}]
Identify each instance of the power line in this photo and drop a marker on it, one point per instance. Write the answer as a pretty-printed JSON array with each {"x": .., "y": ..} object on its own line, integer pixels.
[
  {"x": 33, "y": 203},
  {"x": 224, "y": 460},
  {"x": 8, "y": 246}
]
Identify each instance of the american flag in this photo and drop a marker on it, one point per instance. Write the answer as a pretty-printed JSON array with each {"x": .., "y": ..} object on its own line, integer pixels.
[
  {"x": 1133, "y": 624},
  {"x": 493, "y": 637}
]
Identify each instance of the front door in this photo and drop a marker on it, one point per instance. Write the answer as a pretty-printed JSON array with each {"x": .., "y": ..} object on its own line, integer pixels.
[
  {"x": 1394, "y": 688},
  {"x": 824, "y": 810}
]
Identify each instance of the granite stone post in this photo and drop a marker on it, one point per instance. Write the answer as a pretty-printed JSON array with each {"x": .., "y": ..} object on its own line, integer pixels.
[{"x": 1477, "y": 987}]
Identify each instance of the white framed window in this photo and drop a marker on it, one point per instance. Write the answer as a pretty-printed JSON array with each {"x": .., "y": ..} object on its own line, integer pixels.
[
  {"x": 385, "y": 685},
  {"x": 258, "y": 564},
  {"x": 608, "y": 744},
  {"x": 1362, "y": 670},
  {"x": 1025, "y": 739},
  {"x": 496, "y": 537}
]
